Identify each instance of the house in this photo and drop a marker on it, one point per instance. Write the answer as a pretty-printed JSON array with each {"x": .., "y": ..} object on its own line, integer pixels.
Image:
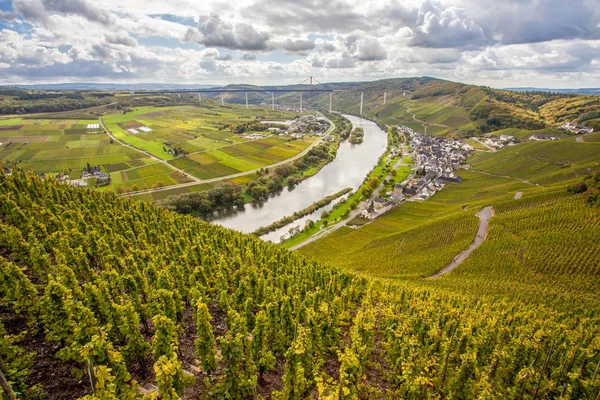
[
  {"x": 542, "y": 138},
  {"x": 378, "y": 202},
  {"x": 451, "y": 178},
  {"x": 575, "y": 128}
]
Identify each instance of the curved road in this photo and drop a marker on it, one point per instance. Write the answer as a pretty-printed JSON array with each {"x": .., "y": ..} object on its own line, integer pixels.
[
  {"x": 221, "y": 178},
  {"x": 152, "y": 157},
  {"x": 484, "y": 218}
]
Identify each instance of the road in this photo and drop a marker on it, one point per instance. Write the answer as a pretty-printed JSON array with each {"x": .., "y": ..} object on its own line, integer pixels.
[
  {"x": 484, "y": 218},
  {"x": 221, "y": 178},
  {"x": 152, "y": 157}
]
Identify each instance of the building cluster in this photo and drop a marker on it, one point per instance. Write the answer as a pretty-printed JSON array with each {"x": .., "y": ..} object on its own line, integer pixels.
[
  {"x": 301, "y": 126},
  {"x": 381, "y": 205},
  {"x": 498, "y": 143},
  {"x": 575, "y": 128},
  {"x": 102, "y": 178},
  {"x": 435, "y": 160}
]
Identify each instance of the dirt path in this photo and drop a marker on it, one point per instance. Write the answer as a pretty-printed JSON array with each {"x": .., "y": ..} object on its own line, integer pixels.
[
  {"x": 221, "y": 178},
  {"x": 506, "y": 176},
  {"x": 484, "y": 218},
  {"x": 423, "y": 123}
]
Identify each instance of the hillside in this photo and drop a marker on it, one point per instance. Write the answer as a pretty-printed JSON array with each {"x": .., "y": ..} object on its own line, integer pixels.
[
  {"x": 129, "y": 295},
  {"x": 446, "y": 107}
]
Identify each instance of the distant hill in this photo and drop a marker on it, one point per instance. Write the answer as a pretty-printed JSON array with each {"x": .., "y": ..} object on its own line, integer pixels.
[
  {"x": 111, "y": 86},
  {"x": 440, "y": 106},
  {"x": 586, "y": 91}
]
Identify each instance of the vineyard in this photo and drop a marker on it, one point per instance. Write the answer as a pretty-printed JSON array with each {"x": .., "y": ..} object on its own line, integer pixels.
[{"x": 108, "y": 298}]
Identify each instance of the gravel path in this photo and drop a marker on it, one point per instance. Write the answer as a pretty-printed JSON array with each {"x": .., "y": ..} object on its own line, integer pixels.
[{"x": 484, "y": 218}]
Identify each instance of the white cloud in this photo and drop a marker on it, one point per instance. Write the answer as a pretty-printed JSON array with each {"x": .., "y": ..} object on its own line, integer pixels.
[
  {"x": 212, "y": 31},
  {"x": 487, "y": 41}
]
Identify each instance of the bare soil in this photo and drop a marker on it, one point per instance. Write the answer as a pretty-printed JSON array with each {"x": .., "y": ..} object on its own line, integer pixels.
[{"x": 53, "y": 374}]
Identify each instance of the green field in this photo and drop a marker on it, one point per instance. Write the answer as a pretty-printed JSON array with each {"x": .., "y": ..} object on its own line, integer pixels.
[
  {"x": 102, "y": 295},
  {"x": 57, "y": 145},
  {"x": 440, "y": 117},
  {"x": 52, "y": 146},
  {"x": 189, "y": 128},
  {"x": 240, "y": 157},
  {"x": 541, "y": 162}
]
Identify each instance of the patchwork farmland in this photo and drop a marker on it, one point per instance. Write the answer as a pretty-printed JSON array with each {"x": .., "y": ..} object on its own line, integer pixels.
[
  {"x": 52, "y": 146},
  {"x": 165, "y": 146}
]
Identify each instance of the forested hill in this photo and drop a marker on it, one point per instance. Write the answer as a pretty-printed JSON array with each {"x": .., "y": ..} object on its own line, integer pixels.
[{"x": 101, "y": 296}]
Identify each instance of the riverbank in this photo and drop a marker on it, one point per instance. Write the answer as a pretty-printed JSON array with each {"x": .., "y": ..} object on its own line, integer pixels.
[
  {"x": 299, "y": 214},
  {"x": 348, "y": 169},
  {"x": 351, "y": 204},
  {"x": 266, "y": 182}
]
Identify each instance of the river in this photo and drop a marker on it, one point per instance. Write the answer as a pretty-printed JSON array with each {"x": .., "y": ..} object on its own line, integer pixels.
[{"x": 347, "y": 170}]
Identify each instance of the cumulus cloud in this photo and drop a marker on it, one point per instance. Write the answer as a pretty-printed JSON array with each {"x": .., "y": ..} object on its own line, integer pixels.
[
  {"x": 485, "y": 41},
  {"x": 335, "y": 61},
  {"x": 121, "y": 38},
  {"x": 328, "y": 47},
  {"x": 212, "y": 31},
  {"x": 544, "y": 20},
  {"x": 300, "y": 16},
  {"x": 294, "y": 46},
  {"x": 41, "y": 10},
  {"x": 446, "y": 28},
  {"x": 6, "y": 16},
  {"x": 369, "y": 48}
]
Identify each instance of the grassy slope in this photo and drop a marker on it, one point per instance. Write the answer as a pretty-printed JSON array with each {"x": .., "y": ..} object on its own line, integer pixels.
[{"x": 540, "y": 248}]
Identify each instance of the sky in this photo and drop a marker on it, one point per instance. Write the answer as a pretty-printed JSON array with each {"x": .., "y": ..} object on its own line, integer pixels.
[{"x": 499, "y": 43}]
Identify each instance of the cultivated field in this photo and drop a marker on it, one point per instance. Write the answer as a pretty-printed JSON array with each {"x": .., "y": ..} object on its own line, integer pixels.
[
  {"x": 52, "y": 146},
  {"x": 192, "y": 129},
  {"x": 201, "y": 133}
]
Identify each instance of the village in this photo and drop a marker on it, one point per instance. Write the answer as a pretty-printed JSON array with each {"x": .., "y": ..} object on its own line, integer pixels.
[
  {"x": 434, "y": 161},
  {"x": 575, "y": 128},
  {"x": 296, "y": 128}
]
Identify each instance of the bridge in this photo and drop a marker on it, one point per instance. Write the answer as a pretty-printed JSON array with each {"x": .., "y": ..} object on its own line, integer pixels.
[{"x": 223, "y": 90}]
